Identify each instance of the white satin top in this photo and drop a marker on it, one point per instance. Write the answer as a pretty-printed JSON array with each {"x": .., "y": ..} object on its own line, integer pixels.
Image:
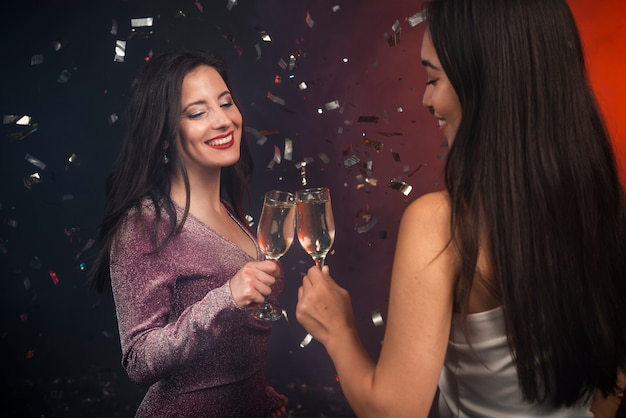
[{"x": 483, "y": 382}]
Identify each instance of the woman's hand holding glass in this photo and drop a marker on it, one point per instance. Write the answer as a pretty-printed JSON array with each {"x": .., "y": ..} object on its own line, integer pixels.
[
  {"x": 252, "y": 281},
  {"x": 275, "y": 233},
  {"x": 324, "y": 308}
]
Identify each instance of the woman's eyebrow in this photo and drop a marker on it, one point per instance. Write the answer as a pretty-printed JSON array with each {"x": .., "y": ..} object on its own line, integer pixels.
[
  {"x": 198, "y": 102},
  {"x": 429, "y": 64},
  {"x": 224, "y": 93}
]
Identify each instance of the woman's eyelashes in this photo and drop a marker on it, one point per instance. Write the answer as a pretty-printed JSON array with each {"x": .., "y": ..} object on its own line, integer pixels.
[
  {"x": 200, "y": 114},
  {"x": 196, "y": 115},
  {"x": 432, "y": 82}
]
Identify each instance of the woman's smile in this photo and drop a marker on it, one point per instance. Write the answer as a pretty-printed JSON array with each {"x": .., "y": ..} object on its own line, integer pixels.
[{"x": 222, "y": 141}]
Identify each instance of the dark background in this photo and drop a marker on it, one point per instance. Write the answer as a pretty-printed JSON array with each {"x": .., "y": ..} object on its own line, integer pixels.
[{"x": 59, "y": 344}]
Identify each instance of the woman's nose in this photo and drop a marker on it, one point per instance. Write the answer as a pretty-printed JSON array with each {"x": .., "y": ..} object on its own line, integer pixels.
[
  {"x": 220, "y": 120},
  {"x": 426, "y": 99}
]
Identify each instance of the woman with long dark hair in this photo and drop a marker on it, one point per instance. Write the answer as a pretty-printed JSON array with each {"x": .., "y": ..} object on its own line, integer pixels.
[
  {"x": 508, "y": 288},
  {"x": 176, "y": 249}
]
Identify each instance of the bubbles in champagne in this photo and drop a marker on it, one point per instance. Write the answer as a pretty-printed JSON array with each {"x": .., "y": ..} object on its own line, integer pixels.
[
  {"x": 276, "y": 229},
  {"x": 316, "y": 226}
]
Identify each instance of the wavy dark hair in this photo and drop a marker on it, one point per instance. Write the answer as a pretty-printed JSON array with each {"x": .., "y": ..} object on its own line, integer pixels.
[
  {"x": 532, "y": 178},
  {"x": 152, "y": 124}
]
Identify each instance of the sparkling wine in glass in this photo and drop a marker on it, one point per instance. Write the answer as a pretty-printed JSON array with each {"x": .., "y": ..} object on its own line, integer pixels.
[
  {"x": 275, "y": 233},
  {"x": 315, "y": 222}
]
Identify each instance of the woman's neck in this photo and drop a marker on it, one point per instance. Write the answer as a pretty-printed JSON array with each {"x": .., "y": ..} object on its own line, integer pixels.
[{"x": 204, "y": 193}]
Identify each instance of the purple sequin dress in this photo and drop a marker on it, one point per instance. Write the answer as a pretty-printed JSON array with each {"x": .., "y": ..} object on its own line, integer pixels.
[{"x": 181, "y": 332}]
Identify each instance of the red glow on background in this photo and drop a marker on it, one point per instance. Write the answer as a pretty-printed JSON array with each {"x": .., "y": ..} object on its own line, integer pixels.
[{"x": 603, "y": 31}]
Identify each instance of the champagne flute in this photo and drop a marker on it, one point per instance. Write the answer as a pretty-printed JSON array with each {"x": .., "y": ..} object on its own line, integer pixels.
[
  {"x": 315, "y": 222},
  {"x": 315, "y": 226},
  {"x": 275, "y": 233}
]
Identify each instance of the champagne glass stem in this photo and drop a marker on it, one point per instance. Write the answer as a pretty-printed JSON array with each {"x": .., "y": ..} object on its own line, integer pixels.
[
  {"x": 266, "y": 311},
  {"x": 265, "y": 308},
  {"x": 319, "y": 261}
]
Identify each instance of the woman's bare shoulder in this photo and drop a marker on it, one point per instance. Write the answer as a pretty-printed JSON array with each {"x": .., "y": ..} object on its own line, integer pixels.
[{"x": 430, "y": 207}]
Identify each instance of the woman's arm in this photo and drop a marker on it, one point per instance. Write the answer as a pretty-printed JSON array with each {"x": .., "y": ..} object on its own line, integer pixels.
[
  {"x": 404, "y": 381},
  {"x": 157, "y": 341}
]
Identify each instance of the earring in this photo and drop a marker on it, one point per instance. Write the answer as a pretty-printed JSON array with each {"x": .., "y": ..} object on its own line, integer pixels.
[{"x": 165, "y": 159}]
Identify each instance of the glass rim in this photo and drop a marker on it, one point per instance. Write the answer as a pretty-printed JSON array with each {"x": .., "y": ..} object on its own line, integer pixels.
[
  {"x": 275, "y": 196},
  {"x": 314, "y": 191}
]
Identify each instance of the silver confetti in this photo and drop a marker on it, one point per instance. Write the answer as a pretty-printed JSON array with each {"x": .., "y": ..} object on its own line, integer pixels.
[
  {"x": 141, "y": 22},
  {"x": 417, "y": 18},
  {"x": 306, "y": 341},
  {"x": 400, "y": 186},
  {"x": 35, "y": 161},
  {"x": 377, "y": 319},
  {"x": 288, "y": 154},
  {"x": 34, "y": 178},
  {"x": 230, "y": 4},
  {"x": 120, "y": 51},
  {"x": 332, "y": 105}
]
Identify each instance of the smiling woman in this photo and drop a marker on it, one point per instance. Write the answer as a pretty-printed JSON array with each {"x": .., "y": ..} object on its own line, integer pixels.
[
  {"x": 209, "y": 136},
  {"x": 176, "y": 250},
  {"x": 439, "y": 96},
  {"x": 210, "y": 126},
  {"x": 520, "y": 259}
]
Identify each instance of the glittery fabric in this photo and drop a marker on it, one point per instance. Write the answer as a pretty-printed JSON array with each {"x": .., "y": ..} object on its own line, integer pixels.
[{"x": 181, "y": 332}]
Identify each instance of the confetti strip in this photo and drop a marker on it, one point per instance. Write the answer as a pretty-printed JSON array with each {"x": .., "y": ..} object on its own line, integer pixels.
[
  {"x": 53, "y": 276},
  {"x": 417, "y": 18},
  {"x": 34, "y": 178},
  {"x": 231, "y": 4},
  {"x": 288, "y": 154},
  {"x": 276, "y": 99},
  {"x": 309, "y": 20},
  {"x": 377, "y": 319},
  {"x": 368, "y": 119},
  {"x": 400, "y": 186},
  {"x": 332, "y": 105},
  {"x": 141, "y": 22},
  {"x": 265, "y": 36},
  {"x": 376, "y": 145},
  {"x": 394, "y": 38},
  {"x": 120, "y": 51},
  {"x": 35, "y": 161},
  {"x": 306, "y": 341}
]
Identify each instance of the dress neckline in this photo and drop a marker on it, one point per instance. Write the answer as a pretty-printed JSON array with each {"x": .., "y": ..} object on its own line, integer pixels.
[{"x": 213, "y": 231}]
